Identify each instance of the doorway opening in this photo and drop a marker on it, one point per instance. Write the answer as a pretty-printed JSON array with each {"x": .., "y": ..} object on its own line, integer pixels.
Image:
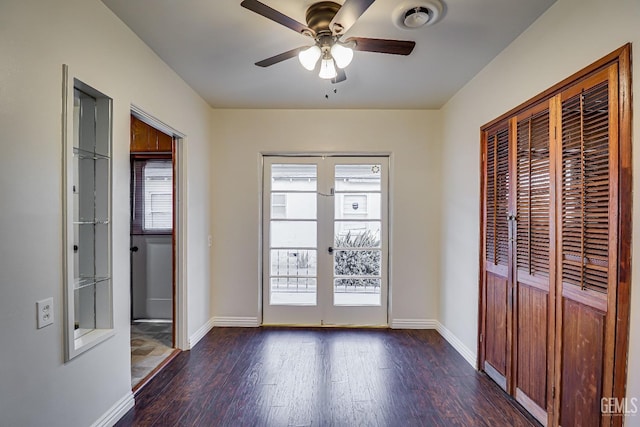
[
  {"x": 153, "y": 249},
  {"x": 325, "y": 241}
]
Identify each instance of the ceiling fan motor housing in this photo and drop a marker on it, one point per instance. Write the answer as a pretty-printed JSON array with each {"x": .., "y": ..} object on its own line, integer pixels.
[{"x": 319, "y": 16}]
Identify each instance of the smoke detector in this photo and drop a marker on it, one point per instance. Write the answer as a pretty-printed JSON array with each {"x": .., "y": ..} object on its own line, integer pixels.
[{"x": 415, "y": 14}]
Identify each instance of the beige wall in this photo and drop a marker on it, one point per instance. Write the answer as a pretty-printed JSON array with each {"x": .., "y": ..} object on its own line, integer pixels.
[
  {"x": 553, "y": 48},
  {"x": 36, "y": 37},
  {"x": 412, "y": 138}
]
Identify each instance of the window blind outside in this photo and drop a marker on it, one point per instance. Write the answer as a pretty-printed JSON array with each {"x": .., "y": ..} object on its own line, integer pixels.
[
  {"x": 355, "y": 204},
  {"x": 153, "y": 196}
]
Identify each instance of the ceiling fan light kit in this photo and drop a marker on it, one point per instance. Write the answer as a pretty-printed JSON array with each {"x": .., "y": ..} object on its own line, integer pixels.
[
  {"x": 327, "y": 22},
  {"x": 333, "y": 54}
]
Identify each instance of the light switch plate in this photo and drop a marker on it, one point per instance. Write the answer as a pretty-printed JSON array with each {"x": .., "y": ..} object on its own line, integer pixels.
[{"x": 45, "y": 312}]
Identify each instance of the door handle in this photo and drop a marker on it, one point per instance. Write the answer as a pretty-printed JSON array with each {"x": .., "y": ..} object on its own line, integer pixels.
[
  {"x": 134, "y": 249},
  {"x": 330, "y": 249}
]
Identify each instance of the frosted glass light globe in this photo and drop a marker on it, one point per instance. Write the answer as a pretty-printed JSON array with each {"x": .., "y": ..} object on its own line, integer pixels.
[
  {"x": 327, "y": 69},
  {"x": 309, "y": 57},
  {"x": 342, "y": 55}
]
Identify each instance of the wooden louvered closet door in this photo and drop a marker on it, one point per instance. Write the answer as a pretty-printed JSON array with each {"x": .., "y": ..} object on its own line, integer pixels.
[
  {"x": 533, "y": 262},
  {"x": 519, "y": 264},
  {"x": 556, "y": 253},
  {"x": 587, "y": 259},
  {"x": 497, "y": 339}
]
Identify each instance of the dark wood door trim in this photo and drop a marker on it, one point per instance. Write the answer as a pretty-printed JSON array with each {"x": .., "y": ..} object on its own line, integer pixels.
[{"x": 625, "y": 213}]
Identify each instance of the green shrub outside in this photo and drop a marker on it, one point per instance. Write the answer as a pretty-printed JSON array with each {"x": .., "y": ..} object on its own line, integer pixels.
[{"x": 360, "y": 263}]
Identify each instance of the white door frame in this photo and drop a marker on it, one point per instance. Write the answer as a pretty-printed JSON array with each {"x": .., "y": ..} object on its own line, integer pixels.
[
  {"x": 180, "y": 231},
  {"x": 387, "y": 218}
]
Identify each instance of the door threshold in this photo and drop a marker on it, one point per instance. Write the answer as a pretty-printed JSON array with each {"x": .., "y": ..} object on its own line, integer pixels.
[
  {"x": 143, "y": 382},
  {"x": 152, "y": 321}
]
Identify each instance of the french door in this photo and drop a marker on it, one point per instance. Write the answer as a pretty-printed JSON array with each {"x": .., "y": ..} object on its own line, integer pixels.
[{"x": 325, "y": 240}]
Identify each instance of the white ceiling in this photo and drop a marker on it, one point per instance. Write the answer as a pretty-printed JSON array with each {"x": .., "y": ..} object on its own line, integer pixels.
[{"x": 213, "y": 45}]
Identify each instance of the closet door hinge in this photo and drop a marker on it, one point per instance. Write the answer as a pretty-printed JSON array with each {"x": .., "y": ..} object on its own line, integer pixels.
[{"x": 553, "y": 392}]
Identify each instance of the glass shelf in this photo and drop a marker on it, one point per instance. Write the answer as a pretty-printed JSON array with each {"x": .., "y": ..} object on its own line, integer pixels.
[
  {"x": 96, "y": 222},
  {"x": 83, "y": 282},
  {"x": 89, "y": 155}
]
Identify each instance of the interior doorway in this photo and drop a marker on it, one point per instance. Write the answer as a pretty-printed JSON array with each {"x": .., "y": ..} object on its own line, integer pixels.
[
  {"x": 325, "y": 233},
  {"x": 152, "y": 246}
]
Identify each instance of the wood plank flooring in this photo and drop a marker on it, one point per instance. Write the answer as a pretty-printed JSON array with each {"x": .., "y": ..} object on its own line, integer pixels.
[{"x": 326, "y": 377}]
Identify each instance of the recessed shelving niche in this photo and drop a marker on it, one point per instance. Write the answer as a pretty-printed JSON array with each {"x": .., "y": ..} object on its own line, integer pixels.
[{"x": 87, "y": 144}]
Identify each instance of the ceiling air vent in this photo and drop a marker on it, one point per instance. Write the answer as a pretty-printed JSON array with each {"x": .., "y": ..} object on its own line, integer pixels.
[{"x": 415, "y": 14}]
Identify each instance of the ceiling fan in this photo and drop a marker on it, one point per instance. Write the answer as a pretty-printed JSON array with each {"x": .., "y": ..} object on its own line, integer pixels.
[{"x": 327, "y": 22}]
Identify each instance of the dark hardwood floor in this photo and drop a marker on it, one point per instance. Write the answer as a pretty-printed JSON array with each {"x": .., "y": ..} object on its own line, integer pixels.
[{"x": 327, "y": 377}]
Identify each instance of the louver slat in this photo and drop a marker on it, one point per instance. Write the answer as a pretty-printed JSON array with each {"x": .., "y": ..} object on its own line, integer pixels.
[
  {"x": 490, "y": 246},
  {"x": 502, "y": 199},
  {"x": 532, "y": 194},
  {"x": 497, "y": 238},
  {"x": 585, "y": 189}
]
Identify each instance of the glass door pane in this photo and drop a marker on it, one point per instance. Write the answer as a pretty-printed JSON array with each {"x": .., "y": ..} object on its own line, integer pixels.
[
  {"x": 293, "y": 233},
  {"x": 357, "y": 225}
]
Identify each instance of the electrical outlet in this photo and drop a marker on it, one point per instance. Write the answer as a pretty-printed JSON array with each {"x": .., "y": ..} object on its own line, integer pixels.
[{"x": 45, "y": 312}]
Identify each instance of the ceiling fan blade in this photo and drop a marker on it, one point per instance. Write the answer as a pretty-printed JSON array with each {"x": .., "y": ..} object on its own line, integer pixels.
[
  {"x": 274, "y": 15},
  {"x": 342, "y": 76},
  {"x": 281, "y": 57},
  {"x": 393, "y": 47},
  {"x": 348, "y": 14}
]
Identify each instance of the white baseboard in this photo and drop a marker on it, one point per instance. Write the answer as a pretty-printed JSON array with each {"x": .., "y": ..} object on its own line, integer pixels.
[
  {"x": 117, "y": 411},
  {"x": 232, "y": 321},
  {"x": 238, "y": 322},
  {"x": 455, "y": 342},
  {"x": 414, "y": 324},
  {"x": 200, "y": 333}
]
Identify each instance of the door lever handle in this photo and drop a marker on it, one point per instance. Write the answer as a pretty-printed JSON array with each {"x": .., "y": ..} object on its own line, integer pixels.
[{"x": 134, "y": 249}]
